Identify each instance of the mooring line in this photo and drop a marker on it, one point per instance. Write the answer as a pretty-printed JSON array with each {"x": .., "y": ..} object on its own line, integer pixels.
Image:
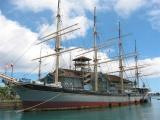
[{"x": 18, "y": 111}]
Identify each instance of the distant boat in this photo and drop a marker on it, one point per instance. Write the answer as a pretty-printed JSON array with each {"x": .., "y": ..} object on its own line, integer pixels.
[{"x": 79, "y": 88}]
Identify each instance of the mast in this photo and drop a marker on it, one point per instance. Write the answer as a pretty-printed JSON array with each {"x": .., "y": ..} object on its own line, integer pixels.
[
  {"x": 70, "y": 57},
  {"x": 57, "y": 46},
  {"x": 11, "y": 70},
  {"x": 136, "y": 70},
  {"x": 40, "y": 62},
  {"x": 95, "y": 52},
  {"x": 120, "y": 59}
]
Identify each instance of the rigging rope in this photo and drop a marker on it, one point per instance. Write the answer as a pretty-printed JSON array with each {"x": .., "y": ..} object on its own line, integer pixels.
[
  {"x": 25, "y": 74},
  {"x": 29, "y": 108}
]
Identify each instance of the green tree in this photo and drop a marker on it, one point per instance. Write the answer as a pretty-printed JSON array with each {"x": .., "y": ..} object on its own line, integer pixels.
[{"x": 6, "y": 93}]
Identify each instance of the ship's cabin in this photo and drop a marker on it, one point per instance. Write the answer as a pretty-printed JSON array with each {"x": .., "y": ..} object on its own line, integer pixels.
[{"x": 82, "y": 78}]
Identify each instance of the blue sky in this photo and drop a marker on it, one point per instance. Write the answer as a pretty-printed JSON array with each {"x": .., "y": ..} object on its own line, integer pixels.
[{"x": 22, "y": 21}]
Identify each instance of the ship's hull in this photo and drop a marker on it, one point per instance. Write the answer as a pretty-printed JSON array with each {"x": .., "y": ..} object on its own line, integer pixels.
[{"x": 46, "y": 98}]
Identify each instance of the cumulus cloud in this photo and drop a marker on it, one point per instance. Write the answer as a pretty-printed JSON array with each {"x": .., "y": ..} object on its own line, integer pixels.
[
  {"x": 72, "y": 11},
  {"x": 17, "y": 45},
  {"x": 150, "y": 9},
  {"x": 76, "y": 10},
  {"x": 125, "y": 7},
  {"x": 35, "y": 5},
  {"x": 154, "y": 15},
  {"x": 83, "y": 23},
  {"x": 152, "y": 68},
  {"x": 67, "y": 6}
]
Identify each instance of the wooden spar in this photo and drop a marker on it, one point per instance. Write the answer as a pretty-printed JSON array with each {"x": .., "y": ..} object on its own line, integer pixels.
[
  {"x": 144, "y": 75},
  {"x": 9, "y": 79},
  {"x": 127, "y": 69},
  {"x": 92, "y": 50},
  {"x": 97, "y": 48},
  {"x": 134, "y": 67},
  {"x": 115, "y": 38},
  {"x": 57, "y": 36},
  {"x": 106, "y": 44},
  {"x": 125, "y": 55},
  {"x": 115, "y": 59},
  {"x": 120, "y": 59},
  {"x": 95, "y": 52},
  {"x": 103, "y": 62},
  {"x": 55, "y": 53},
  {"x": 57, "y": 31}
]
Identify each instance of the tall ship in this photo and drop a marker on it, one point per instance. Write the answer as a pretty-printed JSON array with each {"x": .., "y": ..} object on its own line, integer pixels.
[{"x": 81, "y": 87}]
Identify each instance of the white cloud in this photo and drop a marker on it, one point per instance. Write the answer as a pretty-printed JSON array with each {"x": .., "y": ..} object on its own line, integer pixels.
[
  {"x": 72, "y": 11},
  {"x": 67, "y": 6},
  {"x": 83, "y": 23},
  {"x": 150, "y": 9},
  {"x": 154, "y": 15},
  {"x": 125, "y": 7},
  {"x": 17, "y": 45},
  {"x": 35, "y": 5},
  {"x": 155, "y": 2},
  {"x": 152, "y": 68},
  {"x": 76, "y": 9}
]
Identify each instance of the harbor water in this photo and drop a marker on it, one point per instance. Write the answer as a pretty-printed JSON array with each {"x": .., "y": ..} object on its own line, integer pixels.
[{"x": 149, "y": 111}]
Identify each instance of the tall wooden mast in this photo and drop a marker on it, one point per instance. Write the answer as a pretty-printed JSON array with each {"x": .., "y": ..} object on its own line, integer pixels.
[
  {"x": 136, "y": 70},
  {"x": 58, "y": 37},
  {"x": 40, "y": 62},
  {"x": 120, "y": 58},
  {"x": 95, "y": 52}
]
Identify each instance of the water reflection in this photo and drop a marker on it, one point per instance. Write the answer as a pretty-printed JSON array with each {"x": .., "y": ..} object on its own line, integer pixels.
[{"x": 9, "y": 115}]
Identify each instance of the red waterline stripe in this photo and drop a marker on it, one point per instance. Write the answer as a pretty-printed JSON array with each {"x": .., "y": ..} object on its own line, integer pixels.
[{"x": 77, "y": 105}]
